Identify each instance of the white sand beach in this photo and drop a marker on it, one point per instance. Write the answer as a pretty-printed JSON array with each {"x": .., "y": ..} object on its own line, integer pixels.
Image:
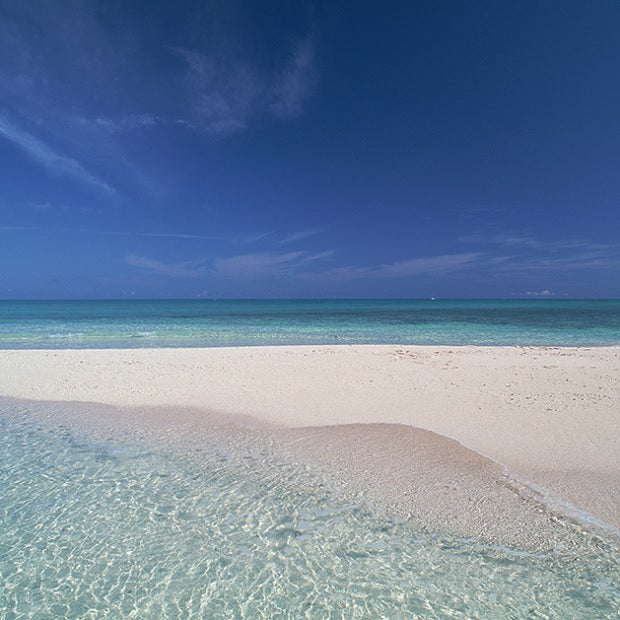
[{"x": 550, "y": 415}]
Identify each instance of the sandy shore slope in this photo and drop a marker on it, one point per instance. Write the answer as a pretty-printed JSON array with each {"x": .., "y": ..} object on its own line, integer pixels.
[{"x": 551, "y": 415}]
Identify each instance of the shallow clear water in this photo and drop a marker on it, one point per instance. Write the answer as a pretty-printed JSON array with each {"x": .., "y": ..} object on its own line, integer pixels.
[
  {"x": 98, "y": 526},
  {"x": 134, "y": 324}
]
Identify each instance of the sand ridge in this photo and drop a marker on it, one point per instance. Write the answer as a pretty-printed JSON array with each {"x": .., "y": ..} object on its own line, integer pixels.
[{"x": 549, "y": 414}]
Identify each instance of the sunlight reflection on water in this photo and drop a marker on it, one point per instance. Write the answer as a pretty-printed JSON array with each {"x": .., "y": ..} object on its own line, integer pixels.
[{"x": 110, "y": 527}]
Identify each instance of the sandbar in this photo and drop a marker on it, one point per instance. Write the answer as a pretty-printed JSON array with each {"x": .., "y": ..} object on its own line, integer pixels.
[{"x": 550, "y": 415}]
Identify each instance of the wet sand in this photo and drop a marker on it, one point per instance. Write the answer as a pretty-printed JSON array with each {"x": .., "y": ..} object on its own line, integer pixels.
[{"x": 547, "y": 415}]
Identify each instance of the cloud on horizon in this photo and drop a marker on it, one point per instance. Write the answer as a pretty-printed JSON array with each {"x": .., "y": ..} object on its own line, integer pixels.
[
  {"x": 444, "y": 263},
  {"x": 237, "y": 267},
  {"x": 185, "y": 269},
  {"x": 302, "y": 264},
  {"x": 266, "y": 264},
  {"x": 528, "y": 253}
]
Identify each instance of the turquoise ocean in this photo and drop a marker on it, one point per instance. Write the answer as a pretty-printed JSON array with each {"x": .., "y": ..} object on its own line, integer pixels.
[
  {"x": 209, "y": 323},
  {"x": 126, "y": 524}
]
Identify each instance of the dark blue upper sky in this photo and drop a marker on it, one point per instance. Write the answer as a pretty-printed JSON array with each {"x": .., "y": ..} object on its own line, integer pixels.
[{"x": 304, "y": 149}]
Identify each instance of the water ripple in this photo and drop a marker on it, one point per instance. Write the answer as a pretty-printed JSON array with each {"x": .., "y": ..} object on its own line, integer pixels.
[{"x": 115, "y": 529}]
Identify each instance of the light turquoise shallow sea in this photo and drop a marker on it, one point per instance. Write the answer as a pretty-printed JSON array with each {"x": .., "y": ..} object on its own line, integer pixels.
[
  {"x": 120, "y": 525},
  {"x": 132, "y": 324},
  {"x": 102, "y": 526}
]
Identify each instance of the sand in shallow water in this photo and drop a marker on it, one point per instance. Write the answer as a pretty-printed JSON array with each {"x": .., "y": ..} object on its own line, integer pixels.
[
  {"x": 550, "y": 415},
  {"x": 400, "y": 473}
]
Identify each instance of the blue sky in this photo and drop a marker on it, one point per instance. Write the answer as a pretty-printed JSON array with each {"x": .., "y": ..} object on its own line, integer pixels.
[{"x": 309, "y": 149}]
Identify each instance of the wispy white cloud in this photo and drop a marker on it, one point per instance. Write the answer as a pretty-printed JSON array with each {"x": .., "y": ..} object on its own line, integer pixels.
[
  {"x": 301, "y": 234},
  {"x": 38, "y": 206},
  {"x": 78, "y": 93},
  {"x": 558, "y": 264},
  {"x": 297, "y": 81},
  {"x": 54, "y": 161},
  {"x": 237, "y": 239},
  {"x": 443, "y": 263},
  {"x": 309, "y": 268},
  {"x": 252, "y": 237},
  {"x": 80, "y": 97},
  {"x": 226, "y": 93},
  {"x": 120, "y": 124},
  {"x": 486, "y": 215},
  {"x": 255, "y": 265},
  {"x": 18, "y": 228},
  {"x": 266, "y": 264},
  {"x": 186, "y": 269},
  {"x": 222, "y": 98},
  {"x": 237, "y": 267},
  {"x": 69, "y": 70},
  {"x": 528, "y": 242},
  {"x": 169, "y": 235},
  {"x": 106, "y": 138},
  {"x": 544, "y": 293},
  {"x": 432, "y": 264},
  {"x": 526, "y": 253}
]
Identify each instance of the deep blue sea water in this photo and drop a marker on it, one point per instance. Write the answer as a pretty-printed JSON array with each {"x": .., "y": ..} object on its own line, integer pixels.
[{"x": 208, "y": 323}]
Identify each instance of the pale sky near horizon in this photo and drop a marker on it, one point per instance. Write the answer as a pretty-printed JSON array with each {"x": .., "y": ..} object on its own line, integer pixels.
[{"x": 309, "y": 149}]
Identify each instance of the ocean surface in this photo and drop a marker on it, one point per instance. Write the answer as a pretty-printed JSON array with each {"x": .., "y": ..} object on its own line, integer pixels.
[
  {"x": 209, "y": 323},
  {"x": 114, "y": 523}
]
